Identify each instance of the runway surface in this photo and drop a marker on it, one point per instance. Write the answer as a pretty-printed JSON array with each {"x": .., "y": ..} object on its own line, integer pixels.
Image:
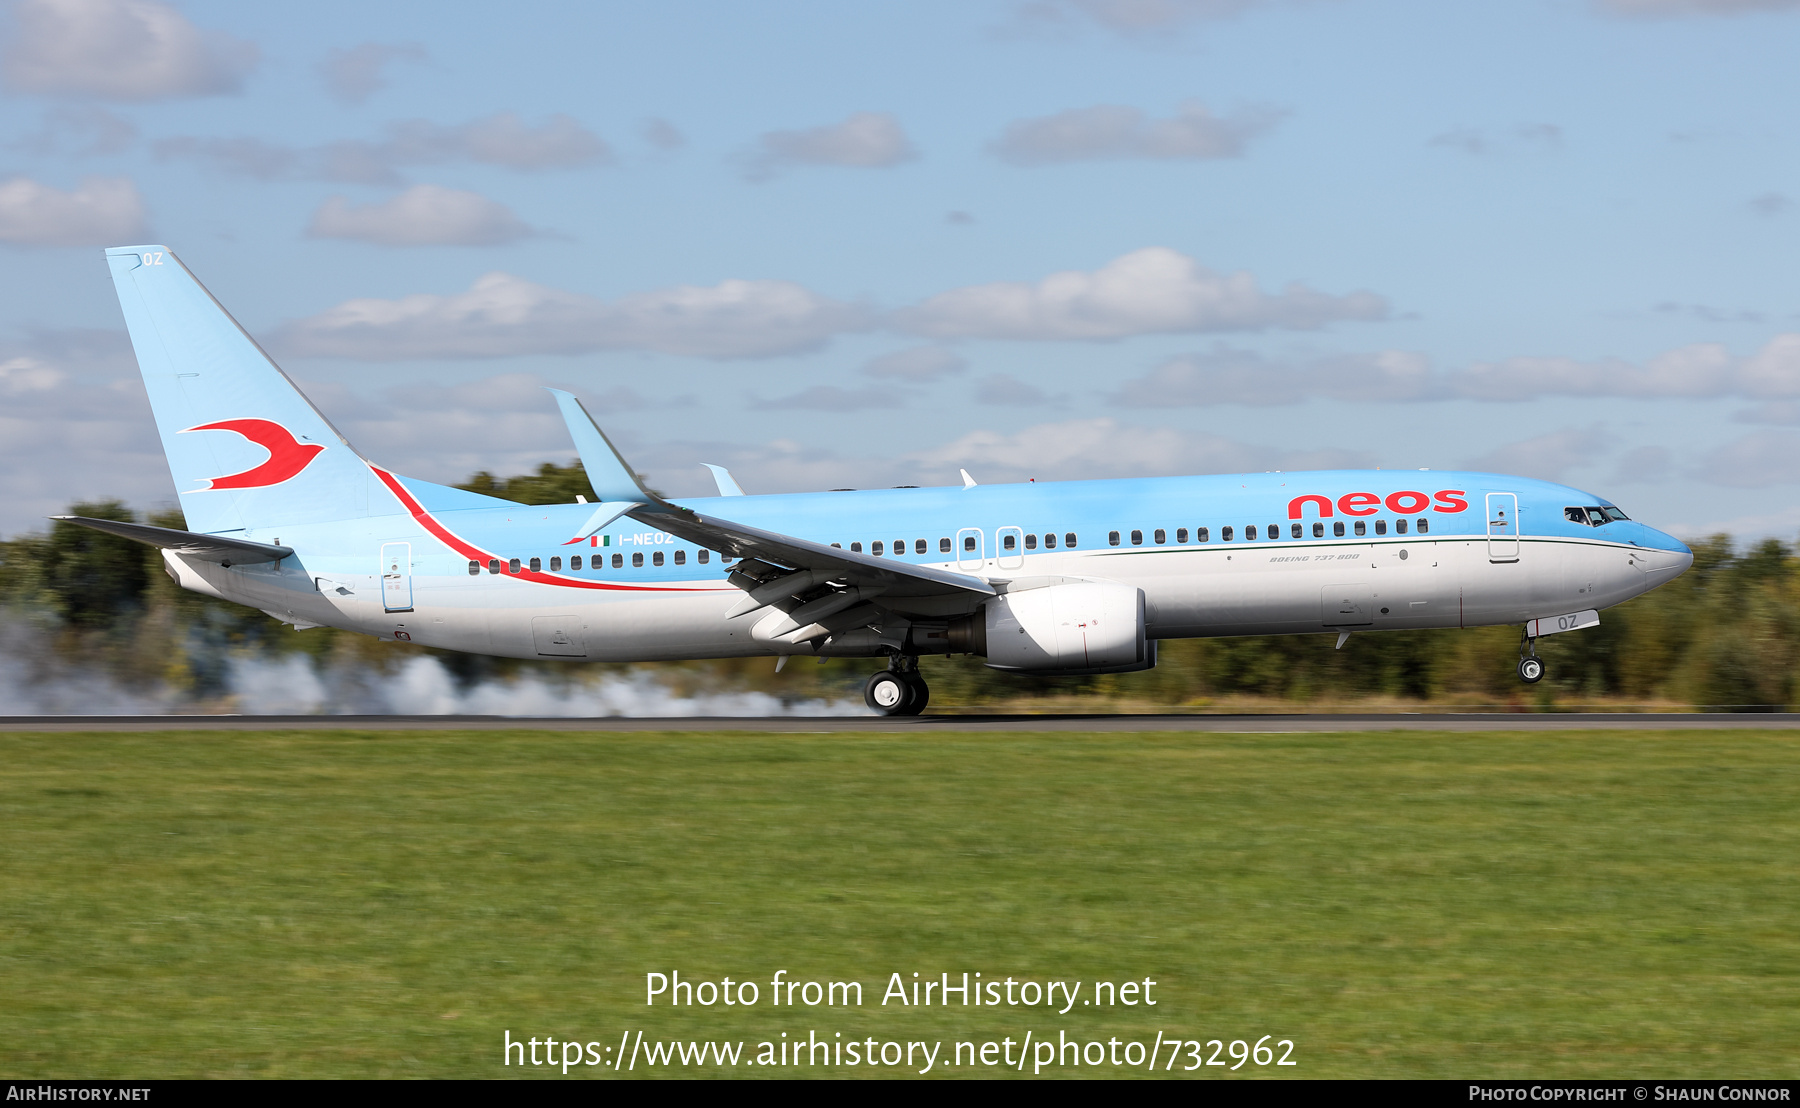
[{"x": 926, "y": 725}]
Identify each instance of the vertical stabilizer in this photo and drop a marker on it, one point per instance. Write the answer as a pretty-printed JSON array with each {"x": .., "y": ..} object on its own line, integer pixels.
[{"x": 246, "y": 448}]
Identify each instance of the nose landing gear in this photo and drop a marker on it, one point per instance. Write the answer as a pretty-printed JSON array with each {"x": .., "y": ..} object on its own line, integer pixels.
[
  {"x": 897, "y": 690},
  {"x": 1531, "y": 667}
]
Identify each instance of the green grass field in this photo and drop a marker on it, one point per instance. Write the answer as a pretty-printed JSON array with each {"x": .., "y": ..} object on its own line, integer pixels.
[{"x": 353, "y": 904}]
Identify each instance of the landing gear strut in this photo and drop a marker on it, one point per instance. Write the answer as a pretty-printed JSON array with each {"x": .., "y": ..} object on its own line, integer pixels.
[
  {"x": 1531, "y": 667},
  {"x": 898, "y": 690}
]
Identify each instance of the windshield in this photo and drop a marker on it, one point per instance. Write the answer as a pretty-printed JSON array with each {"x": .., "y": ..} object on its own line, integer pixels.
[{"x": 1613, "y": 515}]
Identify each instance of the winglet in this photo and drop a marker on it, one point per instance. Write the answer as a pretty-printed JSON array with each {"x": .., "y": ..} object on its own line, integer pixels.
[
  {"x": 606, "y": 470},
  {"x": 722, "y": 476},
  {"x": 968, "y": 482}
]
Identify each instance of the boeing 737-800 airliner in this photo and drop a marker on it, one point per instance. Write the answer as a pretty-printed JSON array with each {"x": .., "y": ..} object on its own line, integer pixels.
[{"x": 1044, "y": 578}]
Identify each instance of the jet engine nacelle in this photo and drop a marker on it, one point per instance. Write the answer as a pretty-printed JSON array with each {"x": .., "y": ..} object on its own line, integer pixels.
[{"x": 1075, "y": 628}]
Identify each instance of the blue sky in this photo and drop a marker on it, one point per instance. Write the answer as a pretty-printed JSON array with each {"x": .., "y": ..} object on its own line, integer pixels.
[{"x": 838, "y": 245}]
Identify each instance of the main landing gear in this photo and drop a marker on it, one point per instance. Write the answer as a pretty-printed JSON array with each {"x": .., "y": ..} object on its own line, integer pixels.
[
  {"x": 1531, "y": 667},
  {"x": 897, "y": 690}
]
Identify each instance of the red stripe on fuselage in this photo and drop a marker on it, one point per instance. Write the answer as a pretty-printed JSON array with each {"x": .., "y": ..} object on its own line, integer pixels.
[{"x": 475, "y": 553}]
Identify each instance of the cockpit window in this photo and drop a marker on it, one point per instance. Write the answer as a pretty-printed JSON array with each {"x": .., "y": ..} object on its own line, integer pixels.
[{"x": 1596, "y": 516}]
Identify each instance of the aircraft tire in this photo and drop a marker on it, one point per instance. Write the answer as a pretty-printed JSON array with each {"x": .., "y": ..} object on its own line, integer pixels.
[
  {"x": 921, "y": 694},
  {"x": 1531, "y": 670},
  {"x": 888, "y": 694}
]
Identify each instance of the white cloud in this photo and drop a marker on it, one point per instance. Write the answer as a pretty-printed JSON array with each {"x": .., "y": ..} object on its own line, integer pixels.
[
  {"x": 120, "y": 50},
  {"x": 1081, "y": 448},
  {"x": 506, "y": 316},
  {"x": 355, "y": 74},
  {"x": 1546, "y": 457},
  {"x": 662, "y": 134},
  {"x": 1541, "y": 137},
  {"x": 424, "y": 215},
  {"x": 102, "y": 211},
  {"x": 864, "y": 140},
  {"x": 1006, "y": 391},
  {"x": 1646, "y": 465},
  {"x": 916, "y": 363},
  {"x": 1111, "y": 131},
  {"x": 1226, "y": 375},
  {"x": 1694, "y": 7},
  {"x": 1140, "y": 17},
  {"x": 501, "y": 139},
  {"x": 1150, "y": 291},
  {"x": 1781, "y": 413},
  {"x": 83, "y": 130},
  {"x": 831, "y": 398},
  {"x": 1771, "y": 204},
  {"x": 1758, "y": 460}
]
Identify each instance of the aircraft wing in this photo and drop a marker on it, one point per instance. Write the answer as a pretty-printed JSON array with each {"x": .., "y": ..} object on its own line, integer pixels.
[
  {"x": 208, "y": 548},
  {"x": 895, "y": 579},
  {"x": 781, "y": 556}
]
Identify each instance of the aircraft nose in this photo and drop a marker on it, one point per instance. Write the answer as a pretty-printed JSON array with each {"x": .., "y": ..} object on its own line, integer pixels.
[{"x": 1664, "y": 558}]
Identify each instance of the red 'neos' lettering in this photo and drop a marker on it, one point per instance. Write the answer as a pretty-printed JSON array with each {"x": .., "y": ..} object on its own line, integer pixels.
[
  {"x": 1451, "y": 500},
  {"x": 1406, "y": 503},
  {"x": 1359, "y": 504},
  {"x": 1298, "y": 504}
]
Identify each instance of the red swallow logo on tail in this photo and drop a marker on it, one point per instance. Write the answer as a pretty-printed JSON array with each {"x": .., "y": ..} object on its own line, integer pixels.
[{"x": 287, "y": 455}]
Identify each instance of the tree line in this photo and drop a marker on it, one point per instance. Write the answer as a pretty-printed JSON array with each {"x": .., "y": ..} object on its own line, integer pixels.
[{"x": 1722, "y": 636}]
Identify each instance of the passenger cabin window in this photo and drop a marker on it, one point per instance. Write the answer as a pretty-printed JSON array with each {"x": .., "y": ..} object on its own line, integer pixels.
[
  {"x": 856, "y": 548},
  {"x": 1399, "y": 527},
  {"x": 1201, "y": 534},
  {"x": 1031, "y": 542},
  {"x": 474, "y": 569},
  {"x": 1337, "y": 529},
  {"x": 656, "y": 559},
  {"x": 537, "y": 565},
  {"x": 512, "y": 566},
  {"x": 618, "y": 561},
  {"x": 1009, "y": 542},
  {"x": 1180, "y": 536},
  {"x": 1159, "y": 536},
  {"x": 681, "y": 557},
  {"x": 575, "y": 562},
  {"x": 943, "y": 546},
  {"x": 1381, "y": 527},
  {"x": 1137, "y": 538},
  {"x": 1361, "y": 527},
  {"x": 1318, "y": 530},
  {"x": 1112, "y": 538},
  {"x": 1224, "y": 534},
  {"x": 1294, "y": 530},
  {"x": 899, "y": 548},
  {"x": 920, "y": 546},
  {"x": 703, "y": 557},
  {"x": 1250, "y": 533},
  {"x": 555, "y": 564},
  {"x": 1274, "y": 530},
  {"x": 968, "y": 544},
  {"x": 1069, "y": 540},
  {"x": 637, "y": 561},
  {"x": 876, "y": 549},
  {"x": 1424, "y": 526},
  {"x": 1050, "y": 541},
  {"x": 493, "y": 565}
]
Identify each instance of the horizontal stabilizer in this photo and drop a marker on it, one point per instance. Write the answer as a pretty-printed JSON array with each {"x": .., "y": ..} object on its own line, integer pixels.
[{"x": 208, "y": 548}]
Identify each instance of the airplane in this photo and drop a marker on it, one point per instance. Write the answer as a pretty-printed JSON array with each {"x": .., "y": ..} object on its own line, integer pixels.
[{"x": 1041, "y": 578}]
